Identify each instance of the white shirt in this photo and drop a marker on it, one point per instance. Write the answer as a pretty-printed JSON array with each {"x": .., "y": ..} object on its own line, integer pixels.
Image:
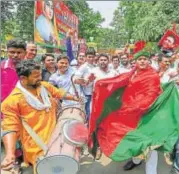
[
  {"x": 111, "y": 67},
  {"x": 124, "y": 69},
  {"x": 74, "y": 62},
  {"x": 175, "y": 78},
  {"x": 84, "y": 71},
  {"x": 166, "y": 76},
  {"x": 176, "y": 64},
  {"x": 155, "y": 65},
  {"x": 100, "y": 74}
]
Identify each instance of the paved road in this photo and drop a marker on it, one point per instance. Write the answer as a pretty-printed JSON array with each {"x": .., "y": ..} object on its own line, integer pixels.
[{"x": 106, "y": 166}]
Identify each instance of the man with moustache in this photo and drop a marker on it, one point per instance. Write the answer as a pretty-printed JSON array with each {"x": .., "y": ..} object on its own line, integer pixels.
[
  {"x": 115, "y": 64},
  {"x": 76, "y": 63},
  {"x": 33, "y": 102},
  {"x": 124, "y": 64},
  {"x": 165, "y": 72},
  {"x": 103, "y": 71},
  {"x": 16, "y": 51}
]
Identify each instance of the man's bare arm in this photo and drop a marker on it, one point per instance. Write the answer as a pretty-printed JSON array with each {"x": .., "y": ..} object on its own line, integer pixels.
[
  {"x": 10, "y": 147},
  {"x": 10, "y": 142}
]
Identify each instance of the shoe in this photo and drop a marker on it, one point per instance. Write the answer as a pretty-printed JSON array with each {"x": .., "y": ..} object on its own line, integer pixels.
[{"x": 130, "y": 165}]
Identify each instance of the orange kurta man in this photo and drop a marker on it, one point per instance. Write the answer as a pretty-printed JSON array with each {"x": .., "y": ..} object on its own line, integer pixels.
[{"x": 43, "y": 122}]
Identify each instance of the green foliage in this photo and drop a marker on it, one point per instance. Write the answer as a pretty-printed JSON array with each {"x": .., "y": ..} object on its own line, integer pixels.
[
  {"x": 89, "y": 21},
  {"x": 145, "y": 20},
  {"x": 25, "y": 19},
  {"x": 17, "y": 18},
  {"x": 7, "y": 16}
]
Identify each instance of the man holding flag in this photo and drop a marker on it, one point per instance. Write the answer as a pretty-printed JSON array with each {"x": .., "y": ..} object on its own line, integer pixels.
[{"x": 126, "y": 109}]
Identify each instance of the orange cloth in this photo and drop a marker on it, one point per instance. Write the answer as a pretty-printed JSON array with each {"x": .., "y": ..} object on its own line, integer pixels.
[{"x": 42, "y": 122}]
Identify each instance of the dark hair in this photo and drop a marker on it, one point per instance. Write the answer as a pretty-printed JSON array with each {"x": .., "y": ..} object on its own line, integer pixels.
[
  {"x": 131, "y": 60},
  {"x": 125, "y": 54},
  {"x": 91, "y": 51},
  {"x": 16, "y": 43},
  {"x": 114, "y": 57},
  {"x": 44, "y": 56},
  {"x": 79, "y": 52},
  {"x": 152, "y": 55},
  {"x": 161, "y": 56},
  {"x": 62, "y": 57},
  {"x": 103, "y": 55},
  {"x": 25, "y": 67}
]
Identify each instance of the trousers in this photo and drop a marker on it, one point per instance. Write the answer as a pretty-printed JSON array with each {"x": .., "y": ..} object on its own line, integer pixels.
[{"x": 151, "y": 163}]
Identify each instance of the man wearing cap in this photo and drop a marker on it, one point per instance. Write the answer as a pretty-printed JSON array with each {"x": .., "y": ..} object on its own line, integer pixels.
[
  {"x": 143, "y": 70},
  {"x": 141, "y": 84}
]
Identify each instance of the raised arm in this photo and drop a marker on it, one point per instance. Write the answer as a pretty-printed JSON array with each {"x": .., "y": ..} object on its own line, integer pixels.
[{"x": 59, "y": 93}]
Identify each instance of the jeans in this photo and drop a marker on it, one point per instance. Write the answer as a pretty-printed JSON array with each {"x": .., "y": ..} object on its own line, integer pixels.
[
  {"x": 151, "y": 163},
  {"x": 88, "y": 107},
  {"x": 176, "y": 156}
]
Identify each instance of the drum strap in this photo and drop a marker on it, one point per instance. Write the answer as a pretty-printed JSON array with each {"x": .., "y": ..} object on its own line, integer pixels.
[{"x": 35, "y": 137}]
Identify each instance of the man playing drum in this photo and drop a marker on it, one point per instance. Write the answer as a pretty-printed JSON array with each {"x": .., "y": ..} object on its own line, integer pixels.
[{"x": 33, "y": 102}]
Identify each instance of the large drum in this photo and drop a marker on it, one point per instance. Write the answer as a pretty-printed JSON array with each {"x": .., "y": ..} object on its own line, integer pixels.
[
  {"x": 64, "y": 147},
  {"x": 72, "y": 113}
]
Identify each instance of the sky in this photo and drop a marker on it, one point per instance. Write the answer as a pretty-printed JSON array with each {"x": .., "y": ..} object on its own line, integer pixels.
[{"x": 106, "y": 8}]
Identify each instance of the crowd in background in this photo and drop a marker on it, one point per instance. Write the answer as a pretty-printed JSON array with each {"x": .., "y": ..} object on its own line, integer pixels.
[
  {"x": 89, "y": 67},
  {"x": 79, "y": 75}
]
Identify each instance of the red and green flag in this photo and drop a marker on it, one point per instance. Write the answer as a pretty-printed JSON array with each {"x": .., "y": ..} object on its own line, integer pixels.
[{"x": 133, "y": 112}]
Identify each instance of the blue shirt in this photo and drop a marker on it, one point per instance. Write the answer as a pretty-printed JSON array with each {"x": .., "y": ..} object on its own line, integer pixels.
[{"x": 64, "y": 81}]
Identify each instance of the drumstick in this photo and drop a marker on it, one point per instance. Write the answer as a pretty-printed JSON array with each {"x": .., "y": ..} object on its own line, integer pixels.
[{"x": 76, "y": 92}]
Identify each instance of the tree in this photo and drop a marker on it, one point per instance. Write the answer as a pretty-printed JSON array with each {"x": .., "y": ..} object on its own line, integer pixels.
[
  {"x": 145, "y": 20},
  {"x": 17, "y": 19},
  {"x": 7, "y": 16},
  {"x": 25, "y": 19},
  {"x": 89, "y": 21}
]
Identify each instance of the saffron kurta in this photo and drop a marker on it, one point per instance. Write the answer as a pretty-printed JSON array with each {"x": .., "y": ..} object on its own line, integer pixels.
[{"x": 42, "y": 122}]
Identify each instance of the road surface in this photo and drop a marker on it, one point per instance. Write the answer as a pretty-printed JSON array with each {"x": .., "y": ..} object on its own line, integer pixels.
[{"x": 106, "y": 166}]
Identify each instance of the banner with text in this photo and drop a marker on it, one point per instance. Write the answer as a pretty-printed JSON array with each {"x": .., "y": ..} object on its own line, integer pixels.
[{"x": 53, "y": 20}]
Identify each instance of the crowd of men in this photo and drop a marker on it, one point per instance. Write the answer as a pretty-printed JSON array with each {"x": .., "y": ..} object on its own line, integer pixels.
[{"x": 22, "y": 76}]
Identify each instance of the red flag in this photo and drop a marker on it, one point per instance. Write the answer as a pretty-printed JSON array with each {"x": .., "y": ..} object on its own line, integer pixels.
[{"x": 140, "y": 45}]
